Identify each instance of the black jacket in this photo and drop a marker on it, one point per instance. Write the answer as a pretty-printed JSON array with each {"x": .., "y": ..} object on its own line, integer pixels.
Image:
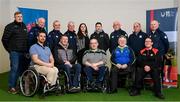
[
  {"x": 103, "y": 40},
  {"x": 160, "y": 41},
  {"x": 114, "y": 39},
  {"x": 136, "y": 41},
  {"x": 150, "y": 58},
  {"x": 15, "y": 37},
  {"x": 81, "y": 51}
]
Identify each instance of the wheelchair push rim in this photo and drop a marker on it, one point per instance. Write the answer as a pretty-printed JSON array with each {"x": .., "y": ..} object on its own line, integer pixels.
[{"x": 29, "y": 82}]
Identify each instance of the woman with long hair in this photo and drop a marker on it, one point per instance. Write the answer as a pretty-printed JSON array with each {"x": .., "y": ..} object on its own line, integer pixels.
[{"x": 82, "y": 41}]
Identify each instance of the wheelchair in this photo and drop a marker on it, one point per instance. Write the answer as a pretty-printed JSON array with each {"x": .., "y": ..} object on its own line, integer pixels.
[
  {"x": 31, "y": 82},
  {"x": 65, "y": 81},
  {"x": 104, "y": 84}
]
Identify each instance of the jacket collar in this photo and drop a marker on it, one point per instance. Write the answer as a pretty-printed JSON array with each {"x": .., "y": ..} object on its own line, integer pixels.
[{"x": 64, "y": 47}]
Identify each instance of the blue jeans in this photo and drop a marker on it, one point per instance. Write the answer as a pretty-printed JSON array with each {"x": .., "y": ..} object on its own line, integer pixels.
[
  {"x": 75, "y": 81},
  {"x": 89, "y": 72},
  {"x": 18, "y": 63}
]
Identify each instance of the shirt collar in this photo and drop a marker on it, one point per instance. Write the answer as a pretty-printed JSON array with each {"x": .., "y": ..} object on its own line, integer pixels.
[{"x": 41, "y": 45}]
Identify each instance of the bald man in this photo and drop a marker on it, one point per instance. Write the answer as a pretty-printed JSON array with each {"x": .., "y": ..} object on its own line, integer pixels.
[
  {"x": 115, "y": 35},
  {"x": 54, "y": 35},
  {"x": 137, "y": 38},
  {"x": 159, "y": 38},
  {"x": 32, "y": 35}
]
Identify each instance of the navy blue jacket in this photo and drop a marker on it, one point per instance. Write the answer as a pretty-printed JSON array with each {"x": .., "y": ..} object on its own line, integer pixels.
[
  {"x": 114, "y": 39},
  {"x": 72, "y": 38},
  {"x": 32, "y": 35},
  {"x": 53, "y": 38},
  {"x": 160, "y": 41},
  {"x": 136, "y": 41}
]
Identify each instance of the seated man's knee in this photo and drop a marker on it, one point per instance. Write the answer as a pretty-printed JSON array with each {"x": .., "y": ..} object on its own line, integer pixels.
[
  {"x": 78, "y": 67},
  {"x": 56, "y": 70}
]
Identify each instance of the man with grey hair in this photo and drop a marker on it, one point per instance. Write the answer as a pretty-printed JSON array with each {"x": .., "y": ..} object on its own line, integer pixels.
[
  {"x": 137, "y": 38},
  {"x": 54, "y": 35},
  {"x": 115, "y": 35},
  {"x": 40, "y": 27},
  {"x": 71, "y": 34}
]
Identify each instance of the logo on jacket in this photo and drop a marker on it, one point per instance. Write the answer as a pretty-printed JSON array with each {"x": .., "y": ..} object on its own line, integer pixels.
[
  {"x": 140, "y": 36},
  {"x": 101, "y": 36}
]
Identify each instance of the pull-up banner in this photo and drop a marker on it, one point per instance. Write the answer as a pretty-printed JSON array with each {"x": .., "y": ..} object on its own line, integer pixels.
[
  {"x": 168, "y": 19},
  {"x": 30, "y": 16}
]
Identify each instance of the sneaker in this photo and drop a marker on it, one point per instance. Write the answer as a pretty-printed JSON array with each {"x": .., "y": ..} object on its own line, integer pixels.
[
  {"x": 12, "y": 91},
  {"x": 78, "y": 88},
  {"x": 160, "y": 96},
  {"x": 74, "y": 89}
]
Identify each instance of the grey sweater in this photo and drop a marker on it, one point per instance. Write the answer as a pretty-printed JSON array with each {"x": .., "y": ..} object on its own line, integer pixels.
[{"x": 94, "y": 57}]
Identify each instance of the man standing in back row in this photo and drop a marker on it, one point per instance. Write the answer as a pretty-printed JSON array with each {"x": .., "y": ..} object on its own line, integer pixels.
[
  {"x": 161, "y": 42},
  {"x": 101, "y": 37},
  {"x": 14, "y": 40},
  {"x": 115, "y": 35}
]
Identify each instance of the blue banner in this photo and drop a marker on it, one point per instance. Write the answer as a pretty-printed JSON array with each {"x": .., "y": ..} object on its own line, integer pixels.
[
  {"x": 30, "y": 16},
  {"x": 168, "y": 21}
]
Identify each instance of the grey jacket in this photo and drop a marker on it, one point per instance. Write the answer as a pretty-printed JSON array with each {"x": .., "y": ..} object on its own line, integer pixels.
[{"x": 61, "y": 53}]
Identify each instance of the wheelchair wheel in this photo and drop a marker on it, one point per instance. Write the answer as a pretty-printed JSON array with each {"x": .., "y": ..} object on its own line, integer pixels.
[{"x": 29, "y": 82}]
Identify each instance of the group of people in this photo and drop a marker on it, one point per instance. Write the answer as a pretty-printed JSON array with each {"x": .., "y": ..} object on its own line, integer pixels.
[{"x": 55, "y": 51}]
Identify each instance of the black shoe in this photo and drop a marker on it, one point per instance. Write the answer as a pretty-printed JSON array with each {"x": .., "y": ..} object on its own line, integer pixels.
[
  {"x": 160, "y": 96},
  {"x": 134, "y": 93}
]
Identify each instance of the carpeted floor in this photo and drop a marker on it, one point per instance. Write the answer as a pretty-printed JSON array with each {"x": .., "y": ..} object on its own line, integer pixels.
[{"x": 171, "y": 94}]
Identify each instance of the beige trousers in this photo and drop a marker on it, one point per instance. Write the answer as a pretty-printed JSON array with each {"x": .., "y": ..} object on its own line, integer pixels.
[{"x": 50, "y": 73}]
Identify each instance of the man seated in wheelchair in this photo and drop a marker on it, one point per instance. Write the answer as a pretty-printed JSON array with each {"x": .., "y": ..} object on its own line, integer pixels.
[
  {"x": 43, "y": 61},
  {"x": 122, "y": 59},
  {"x": 149, "y": 63},
  {"x": 94, "y": 59},
  {"x": 65, "y": 58}
]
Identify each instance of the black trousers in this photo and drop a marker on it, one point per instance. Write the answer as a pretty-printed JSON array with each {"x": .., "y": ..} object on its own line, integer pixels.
[
  {"x": 114, "y": 76},
  {"x": 155, "y": 75}
]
